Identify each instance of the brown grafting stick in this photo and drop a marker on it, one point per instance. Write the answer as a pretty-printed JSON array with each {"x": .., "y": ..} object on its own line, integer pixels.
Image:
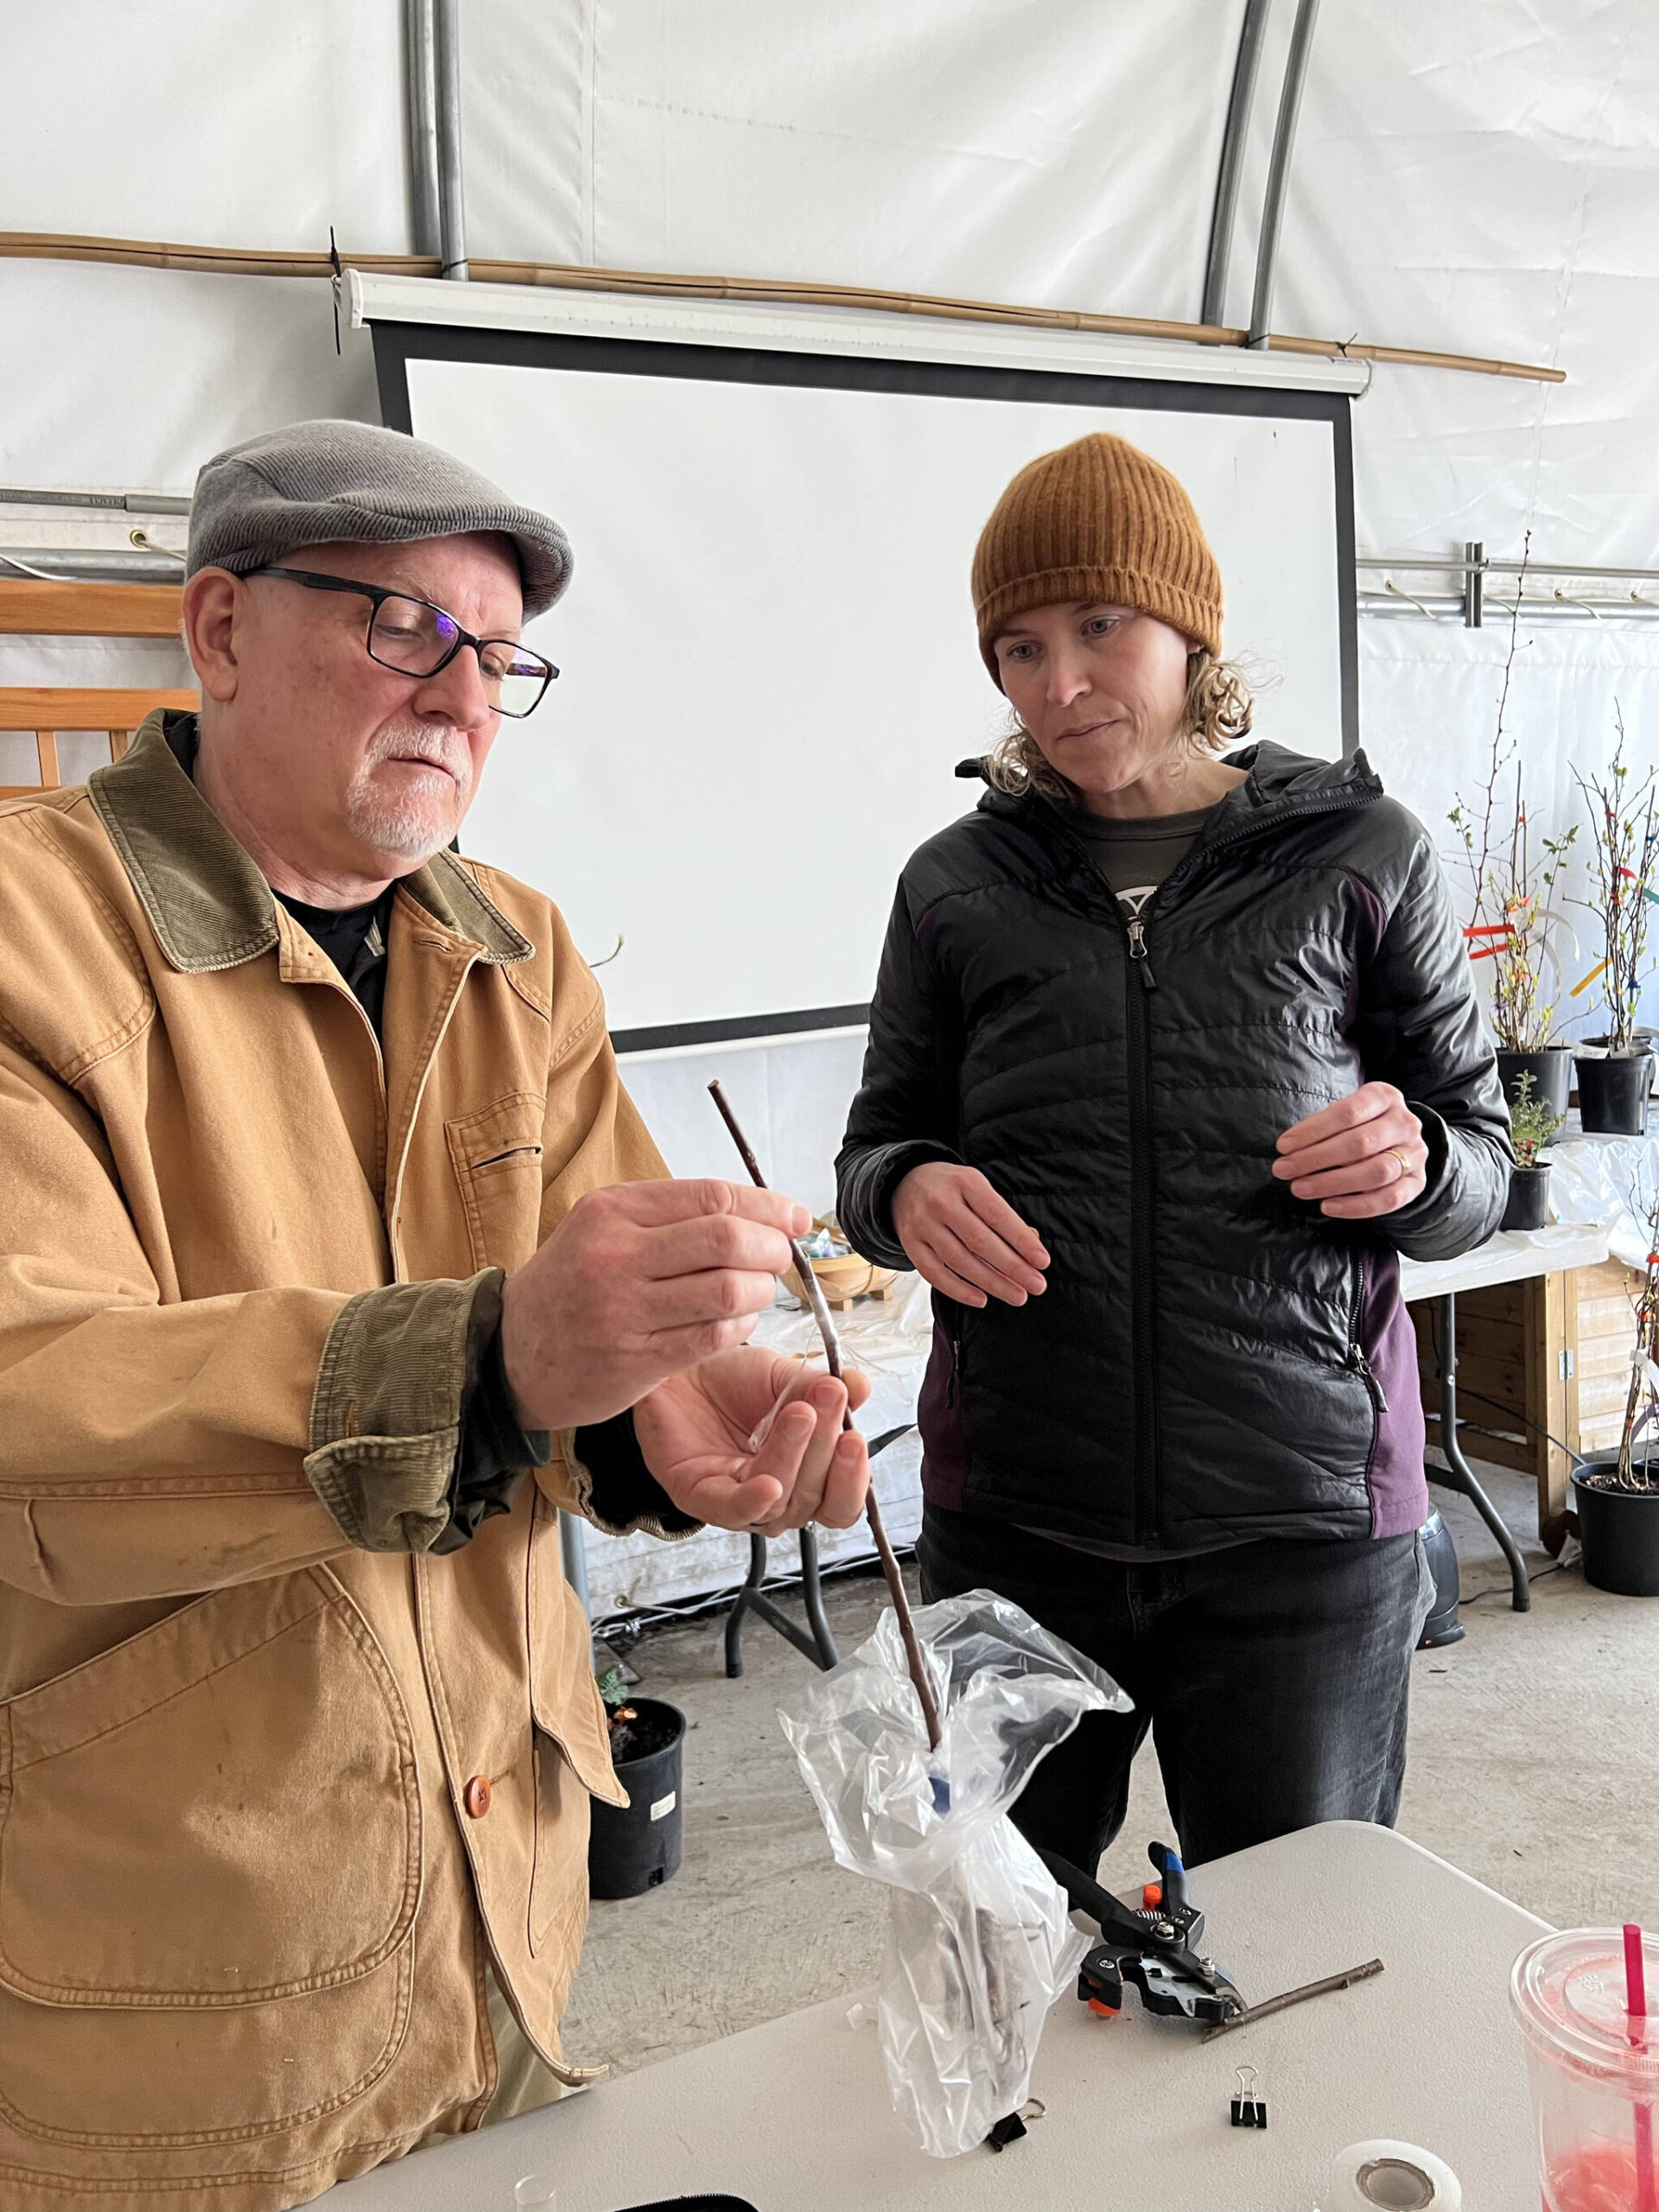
[
  {"x": 814, "y": 1292},
  {"x": 1252, "y": 2013}
]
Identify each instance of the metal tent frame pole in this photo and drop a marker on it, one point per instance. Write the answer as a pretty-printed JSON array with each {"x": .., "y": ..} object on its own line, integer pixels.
[
  {"x": 421, "y": 123},
  {"x": 1284, "y": 137},
  {"x": 432, "y": 109},
  {"x": 1232, "y": 159},
  {"x": 452, "y": 206}
]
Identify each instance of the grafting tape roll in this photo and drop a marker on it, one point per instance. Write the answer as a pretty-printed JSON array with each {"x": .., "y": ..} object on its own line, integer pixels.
[{"x": 1383, "y": 2176}]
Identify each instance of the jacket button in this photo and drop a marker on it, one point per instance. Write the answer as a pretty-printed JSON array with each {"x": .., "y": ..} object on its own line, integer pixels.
[{"x": 476, "y": 1797}]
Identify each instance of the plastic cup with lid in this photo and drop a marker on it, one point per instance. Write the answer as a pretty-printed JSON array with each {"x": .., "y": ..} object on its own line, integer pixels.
[{"x": 1594, "y": 2071}]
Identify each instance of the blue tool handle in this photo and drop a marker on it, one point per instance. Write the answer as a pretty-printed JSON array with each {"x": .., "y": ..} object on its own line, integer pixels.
[{"x": 1173, "y": 1875}]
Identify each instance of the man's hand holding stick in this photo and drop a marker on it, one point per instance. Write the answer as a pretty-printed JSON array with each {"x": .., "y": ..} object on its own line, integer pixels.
[{"x": 813, "y": 1293}]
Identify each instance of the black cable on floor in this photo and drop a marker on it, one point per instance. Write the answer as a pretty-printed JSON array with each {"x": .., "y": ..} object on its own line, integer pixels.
[{"x": 1507, "y": 1589}]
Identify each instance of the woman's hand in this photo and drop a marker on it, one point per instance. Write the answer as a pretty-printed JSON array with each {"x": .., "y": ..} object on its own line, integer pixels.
[
  {"x": 965, "y": 1240},
  {"x": 1363, "y": 1157}
]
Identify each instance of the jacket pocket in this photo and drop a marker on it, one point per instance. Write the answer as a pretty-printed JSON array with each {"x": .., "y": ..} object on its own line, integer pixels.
[
  {"x": 564, "y": 1698},
  {"x": 572, "y": 1742},
  {"x": 497, "y": 1155},
  {"x": 558, "y": 1888},
  {"x": 210, "y": 1865}
]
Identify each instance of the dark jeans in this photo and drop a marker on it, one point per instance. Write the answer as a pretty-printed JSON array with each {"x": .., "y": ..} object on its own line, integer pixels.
[{"x": 1274, "y": 1678}]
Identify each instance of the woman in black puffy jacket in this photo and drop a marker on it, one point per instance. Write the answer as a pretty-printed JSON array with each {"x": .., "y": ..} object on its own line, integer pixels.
[{"x": 1171, "y": 1057}]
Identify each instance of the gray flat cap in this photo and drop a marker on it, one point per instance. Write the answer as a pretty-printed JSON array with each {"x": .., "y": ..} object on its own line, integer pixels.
[{"x": 316, "y": 483}]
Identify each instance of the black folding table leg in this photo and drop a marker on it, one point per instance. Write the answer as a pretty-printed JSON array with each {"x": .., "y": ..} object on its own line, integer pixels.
[
  {"x": 740, "y": 1605},
  {"x": 1458, "y": 1474},
  {"x": 812, "y": 1591},
  {"x": 815, "y": 1641}
]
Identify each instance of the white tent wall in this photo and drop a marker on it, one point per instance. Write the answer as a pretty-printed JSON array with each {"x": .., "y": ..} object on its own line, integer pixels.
[{"x": 1478, "y": 179}]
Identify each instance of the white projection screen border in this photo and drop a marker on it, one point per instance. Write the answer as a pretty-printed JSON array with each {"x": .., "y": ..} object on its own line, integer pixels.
[{"x": 769, "y": 671}]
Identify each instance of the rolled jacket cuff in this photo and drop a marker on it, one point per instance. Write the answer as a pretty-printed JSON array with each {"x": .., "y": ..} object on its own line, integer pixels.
[
  {"x": 615, "y": 1488},
  {"x": 386, "y": 1412}
]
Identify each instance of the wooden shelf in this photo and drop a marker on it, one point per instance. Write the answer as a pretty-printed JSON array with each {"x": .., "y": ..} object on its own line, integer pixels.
[
  {"x": 47, "y": 713},
  {"x": 53, "y": 708},
  {"x": 72, "y": 610}
]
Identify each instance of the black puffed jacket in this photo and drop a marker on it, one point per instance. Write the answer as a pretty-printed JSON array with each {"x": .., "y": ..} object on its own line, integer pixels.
[{"x": 1212, "y": 1357}]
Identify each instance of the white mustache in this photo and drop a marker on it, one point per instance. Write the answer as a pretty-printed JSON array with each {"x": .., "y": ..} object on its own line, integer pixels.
[{"x": 444, "y": 749}]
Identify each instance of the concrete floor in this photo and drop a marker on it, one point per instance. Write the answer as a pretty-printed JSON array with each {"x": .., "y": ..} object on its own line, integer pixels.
[{"x": 1533, "y": 1766}]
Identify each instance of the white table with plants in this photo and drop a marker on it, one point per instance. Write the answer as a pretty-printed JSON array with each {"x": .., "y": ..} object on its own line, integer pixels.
[{"x": 1597, "y": 1169}]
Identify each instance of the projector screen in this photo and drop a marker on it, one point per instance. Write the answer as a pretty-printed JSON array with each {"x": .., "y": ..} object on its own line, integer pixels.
[{"x": 769, "y": 668}]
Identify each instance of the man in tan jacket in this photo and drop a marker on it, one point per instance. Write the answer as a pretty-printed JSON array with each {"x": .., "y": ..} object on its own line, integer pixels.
[{"x": 323, "y": 1218}]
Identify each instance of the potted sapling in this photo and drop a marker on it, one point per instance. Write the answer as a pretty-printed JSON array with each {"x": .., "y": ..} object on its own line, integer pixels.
[
  {"x": 1533, "y": 1123},
  {"x": 1514, "y": 869},
  {"x": 1617, "y": 1491},
  {"x": 1614, "y": 1083},
  {"x": 633, "y": 1848}
]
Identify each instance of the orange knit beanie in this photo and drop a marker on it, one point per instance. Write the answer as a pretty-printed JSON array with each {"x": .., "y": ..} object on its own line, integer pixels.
[{"x": 1097, "y": 520}]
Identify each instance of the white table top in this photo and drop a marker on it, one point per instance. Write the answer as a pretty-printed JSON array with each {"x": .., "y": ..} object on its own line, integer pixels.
[
  {"x": 794, "y": 2116},
  {"x": 1509, "y": 1257}
]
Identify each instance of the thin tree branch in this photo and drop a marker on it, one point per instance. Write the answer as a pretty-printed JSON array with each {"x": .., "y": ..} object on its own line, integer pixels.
[
  {"x": 812, "y": 1290},
  {"x": 1331, "y": 1981}
]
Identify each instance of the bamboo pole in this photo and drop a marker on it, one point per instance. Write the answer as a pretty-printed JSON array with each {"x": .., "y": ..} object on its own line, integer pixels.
[{"x": 237, "y": 261}]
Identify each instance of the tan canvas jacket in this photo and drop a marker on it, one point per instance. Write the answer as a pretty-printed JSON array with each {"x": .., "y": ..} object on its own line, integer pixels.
[{"x": 244, "y": 1905}]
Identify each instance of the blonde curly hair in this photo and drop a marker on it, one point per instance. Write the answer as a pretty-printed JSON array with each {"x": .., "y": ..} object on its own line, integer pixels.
[{"x": 1218, "y": 712}]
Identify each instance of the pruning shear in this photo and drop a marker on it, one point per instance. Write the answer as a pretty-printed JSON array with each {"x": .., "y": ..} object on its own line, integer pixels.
[{"x": 1156, "y": 1947}]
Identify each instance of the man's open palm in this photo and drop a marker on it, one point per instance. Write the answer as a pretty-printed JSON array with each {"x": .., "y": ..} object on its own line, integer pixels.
[{"x": 696, "y": 1430}]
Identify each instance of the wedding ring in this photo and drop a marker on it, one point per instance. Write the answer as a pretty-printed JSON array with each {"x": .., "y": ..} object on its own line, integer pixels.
[{"x": 1405, "y": 1168}]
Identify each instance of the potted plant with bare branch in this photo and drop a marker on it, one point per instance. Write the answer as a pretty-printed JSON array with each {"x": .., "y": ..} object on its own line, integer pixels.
[
  {"x": 1617, "y": 1491},
  {"x": 1513, "y": 868},
  {"x": 1614, "y": 1084}
]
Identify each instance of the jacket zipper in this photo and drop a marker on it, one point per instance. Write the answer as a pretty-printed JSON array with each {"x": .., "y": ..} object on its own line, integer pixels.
[
  {"x": 1367, "y": 1373},
  {"x": 1140, "y": 983},
  {"x": 1354, "y": 1358}
]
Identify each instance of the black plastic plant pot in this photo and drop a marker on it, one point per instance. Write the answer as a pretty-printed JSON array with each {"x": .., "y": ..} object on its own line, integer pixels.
[
  {"x": 1619, "y": 1530},
  {"x": 1528, "y": 1205},
  {"x": 635, "y": 1847},
  {"x": 1551, "y": 1072},
  {"x": 1613, "y": 1093}
]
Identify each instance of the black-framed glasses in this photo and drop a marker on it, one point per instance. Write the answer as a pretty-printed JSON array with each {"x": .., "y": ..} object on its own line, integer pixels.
[{"x": 418, "y": 638}]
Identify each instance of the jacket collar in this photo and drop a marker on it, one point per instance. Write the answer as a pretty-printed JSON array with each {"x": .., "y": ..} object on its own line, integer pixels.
[
  {"x": 1278, "y": 782},
  {"x": 207, "y": 902}
]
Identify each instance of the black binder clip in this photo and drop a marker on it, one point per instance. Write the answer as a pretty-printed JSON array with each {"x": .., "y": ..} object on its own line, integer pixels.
[{"x": 1249, "y": 2107}]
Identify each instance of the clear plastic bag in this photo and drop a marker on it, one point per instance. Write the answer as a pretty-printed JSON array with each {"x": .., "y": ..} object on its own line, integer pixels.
[{"x": 980, "y": 1942}]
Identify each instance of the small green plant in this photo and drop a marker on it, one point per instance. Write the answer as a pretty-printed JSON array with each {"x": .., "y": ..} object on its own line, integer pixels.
[{"x": 1533, "y": 1121}]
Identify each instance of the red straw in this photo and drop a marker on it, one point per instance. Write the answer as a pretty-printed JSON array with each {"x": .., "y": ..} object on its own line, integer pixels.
[
  {"x": 1635, "y": 1978},
  {"x": 1636, "y": 2005}
]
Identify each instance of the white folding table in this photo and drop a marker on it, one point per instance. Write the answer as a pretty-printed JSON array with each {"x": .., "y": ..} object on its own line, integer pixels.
[{"x": 794, "y": 2116}]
